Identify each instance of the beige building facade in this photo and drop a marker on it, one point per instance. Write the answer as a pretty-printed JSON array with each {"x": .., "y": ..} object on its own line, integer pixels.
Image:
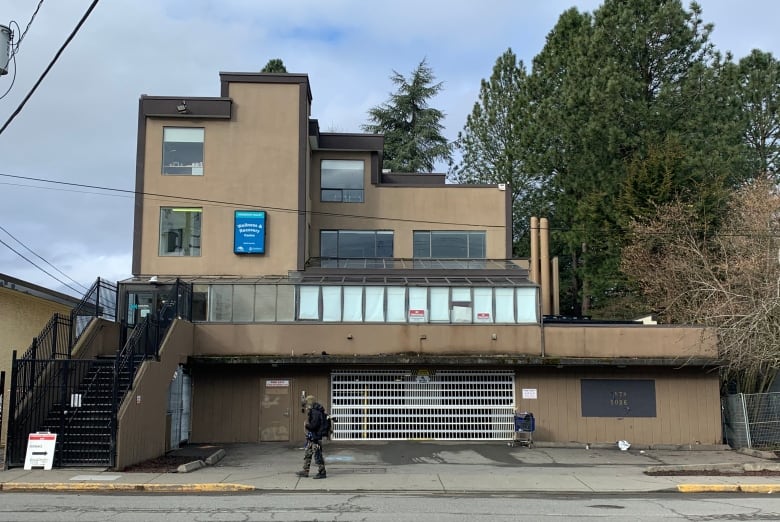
[
  {"x": 392, "y": 297},
  {"x": 25, "y": 308}
]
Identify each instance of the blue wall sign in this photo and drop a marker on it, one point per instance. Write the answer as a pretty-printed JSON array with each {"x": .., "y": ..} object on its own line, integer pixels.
[{"x": 249, "y": 232}]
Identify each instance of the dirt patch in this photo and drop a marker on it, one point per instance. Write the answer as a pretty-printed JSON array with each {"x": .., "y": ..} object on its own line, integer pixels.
[{"x": 164, "y": 464}]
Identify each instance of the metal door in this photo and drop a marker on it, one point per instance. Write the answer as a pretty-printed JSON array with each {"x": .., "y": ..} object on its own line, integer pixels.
[{"x": 275, "y": 410}]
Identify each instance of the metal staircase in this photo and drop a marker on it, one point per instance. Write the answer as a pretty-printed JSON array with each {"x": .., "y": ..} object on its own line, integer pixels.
[{"x": 78, "y": 399}]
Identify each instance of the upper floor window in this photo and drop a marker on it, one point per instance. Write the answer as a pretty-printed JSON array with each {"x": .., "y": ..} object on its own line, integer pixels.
[
  {"x": 360, "y": 244},
  {"x": 449, "y": 244},
  {"x": 341, "y": 181},
  {"x": 183, "y": 151},
  {"x": 180, "y": 231}
]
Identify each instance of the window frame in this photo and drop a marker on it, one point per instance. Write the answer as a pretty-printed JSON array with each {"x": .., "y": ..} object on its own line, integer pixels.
[
  {"x": 167, "y": 250},
  {"x": 333, "y": 188},
  {"x": 339, "y": 232},
  {"x": 424, "y": 240},
  {"x": 195, "y": 167}
]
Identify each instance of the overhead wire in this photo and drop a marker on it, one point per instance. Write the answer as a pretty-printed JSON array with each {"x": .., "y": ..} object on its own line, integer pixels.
[
  {"x": 244, "y": 204},
  {"x": 42, "y": 259},
  {"x": 127, "y": 193},
  {"x": 19, "y": 41},
  {"x": 51, "y": 64},
  {"x": 12, "y": 249}
]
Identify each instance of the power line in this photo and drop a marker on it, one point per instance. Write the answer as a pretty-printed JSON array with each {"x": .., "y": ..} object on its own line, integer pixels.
[
  {"x": 126, "y": 193},
  {"x": 12, "y": 249},
  {"x": 246, "y": 205},
  {"x": 19, "y": 42},
  {"x": 42, "y": 259},
  {"x": 51, "y": 64}
]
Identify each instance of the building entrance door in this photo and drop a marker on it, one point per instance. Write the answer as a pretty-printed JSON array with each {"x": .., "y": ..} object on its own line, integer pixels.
[{"x": 275, "y": 410}]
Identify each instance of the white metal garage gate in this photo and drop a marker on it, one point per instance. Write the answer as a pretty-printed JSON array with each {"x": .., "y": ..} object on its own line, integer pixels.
[{"x": 423, "y": 404}]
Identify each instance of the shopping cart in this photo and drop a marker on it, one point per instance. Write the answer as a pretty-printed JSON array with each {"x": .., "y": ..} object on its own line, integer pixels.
[{"x": 524, "y": 429}]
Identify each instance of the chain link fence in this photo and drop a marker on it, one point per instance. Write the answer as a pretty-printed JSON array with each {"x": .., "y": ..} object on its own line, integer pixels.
[{"x": 752, "y": 420}]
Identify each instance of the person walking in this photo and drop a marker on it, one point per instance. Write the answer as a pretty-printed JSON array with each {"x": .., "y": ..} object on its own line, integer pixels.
[{"x": 315, "y": 425}]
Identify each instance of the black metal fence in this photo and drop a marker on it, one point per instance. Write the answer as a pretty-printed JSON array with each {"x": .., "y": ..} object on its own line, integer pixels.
[
  {"x": 44, "y": 367},
  {"x": 99, "y": 301},
  {"x": 79, "y": 399}
]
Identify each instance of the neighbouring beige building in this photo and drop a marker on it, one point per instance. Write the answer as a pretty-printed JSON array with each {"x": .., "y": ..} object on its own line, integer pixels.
[
  {"x": 25, "y": 309},
  {"x": 272, "y": 260}
]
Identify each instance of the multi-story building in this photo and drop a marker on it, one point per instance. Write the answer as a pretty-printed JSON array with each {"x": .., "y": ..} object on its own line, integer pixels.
[
  {"x": 391, "y": 297},
  {"x": 288, "y": 263}
]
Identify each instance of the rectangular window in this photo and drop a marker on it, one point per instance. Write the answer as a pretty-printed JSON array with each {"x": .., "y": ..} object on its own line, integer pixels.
[
  {"x": 285, "y": 303},
  {"x": 341, "y": 181},
  {"x": 182, "y": 151},
  {"x": 265, "y": 303},
  {"x": 483, "y": 305},
  {"x": 526, "y": 305},
  {"x": 353, "y": 303},
  {"x": 505, "y": 305},
  {"x": 200, "y": 299},
  {"x": 440, "y": 304},
  {"x": 331, "y": 303},
  {"x": 243, "y": 303},
  {"x": 309, "y": 304},
  {"x": 448, "y": 244},
  {"x": 221, "y": 303},
  {"x": 180, "y": 231},
  {"x": 418, "y": 305},
  {"x": 461, "y": 305},
  {"x": 356, "y": 244},
  {"x": 396, "y": 305},
  {"x": 375, "y": 304}
]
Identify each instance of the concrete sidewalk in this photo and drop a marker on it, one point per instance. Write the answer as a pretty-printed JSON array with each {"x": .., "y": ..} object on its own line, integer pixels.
[{"x": 430, "y": 467}]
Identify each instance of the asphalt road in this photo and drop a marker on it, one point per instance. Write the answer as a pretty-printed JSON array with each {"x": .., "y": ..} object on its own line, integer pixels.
[{"x": 23, "y": 507}]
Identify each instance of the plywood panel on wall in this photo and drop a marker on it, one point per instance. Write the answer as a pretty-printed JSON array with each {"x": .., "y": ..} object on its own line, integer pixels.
[{"x": 225, "y": 405}]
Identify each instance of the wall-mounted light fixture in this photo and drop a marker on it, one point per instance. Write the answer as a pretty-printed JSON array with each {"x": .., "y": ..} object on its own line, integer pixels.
[
  {"x": 182, "y": 107},
  {"x": 349, "y": 336},
  {"x": 493, "y": 336},
  {"x": 423, "y": 337}
]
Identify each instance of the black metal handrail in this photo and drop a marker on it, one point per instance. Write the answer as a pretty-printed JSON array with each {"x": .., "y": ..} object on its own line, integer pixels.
[
  {"x": 38, "y": 370},
  {"x": 99, "y": 301},
  {"x": 144, "y": 343}
]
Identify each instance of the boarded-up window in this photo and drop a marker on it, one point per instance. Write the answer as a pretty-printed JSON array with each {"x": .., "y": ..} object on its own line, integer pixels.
[{"x": 618, "y": 397}]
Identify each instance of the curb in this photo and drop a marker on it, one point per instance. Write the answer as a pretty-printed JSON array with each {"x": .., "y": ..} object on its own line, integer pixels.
[
  {"x": 722, "y": 468},
  {"x": 158, "y": 488},
  {"x": 197, "y": 464},
  {"x": 729, "y": 488}
]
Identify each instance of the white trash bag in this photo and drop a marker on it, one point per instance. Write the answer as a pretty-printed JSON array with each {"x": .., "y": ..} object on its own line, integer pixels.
[{"x": 623, "y": 445}]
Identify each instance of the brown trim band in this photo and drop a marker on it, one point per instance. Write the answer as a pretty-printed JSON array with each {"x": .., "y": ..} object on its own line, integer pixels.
[{"x": 186, "y": 107}]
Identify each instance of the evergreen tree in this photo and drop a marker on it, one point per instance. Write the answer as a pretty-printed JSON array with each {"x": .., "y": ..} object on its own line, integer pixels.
[
  {"x": 274, "y": 65},
  {"x": 412, "y": 129},
  {"x": 631, "y": 104},
  {"x": 759, "y": 91},
  {"x": 494, "y": 144}
]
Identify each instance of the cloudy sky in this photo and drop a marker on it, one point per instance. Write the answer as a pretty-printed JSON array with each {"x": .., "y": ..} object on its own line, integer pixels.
[{"x": 80, "y": 125}]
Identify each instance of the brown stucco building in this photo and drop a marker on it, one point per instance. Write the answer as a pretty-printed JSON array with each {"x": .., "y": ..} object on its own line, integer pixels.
[{"x": 391, "y": 297}]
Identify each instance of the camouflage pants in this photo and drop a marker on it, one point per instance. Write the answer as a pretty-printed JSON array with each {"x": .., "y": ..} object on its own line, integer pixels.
[{"x": 313, "y": 449}]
